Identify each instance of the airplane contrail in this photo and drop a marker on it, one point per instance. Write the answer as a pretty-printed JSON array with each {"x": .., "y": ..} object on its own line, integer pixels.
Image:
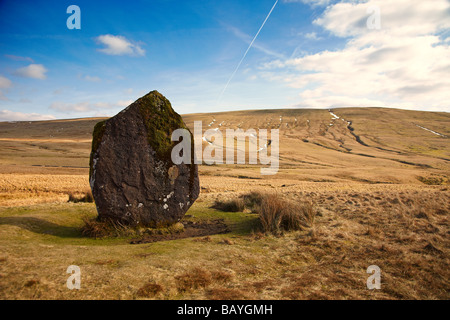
[{"x": 245, "y": 54}]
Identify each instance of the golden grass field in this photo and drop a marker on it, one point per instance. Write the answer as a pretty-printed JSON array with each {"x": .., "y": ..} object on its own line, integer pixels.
[{"x": 377, "y": 177}]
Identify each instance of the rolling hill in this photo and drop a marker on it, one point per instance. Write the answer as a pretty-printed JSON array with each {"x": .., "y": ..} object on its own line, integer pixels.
[
  {"x": 372, "y": 145},
  {"x": 377, "y": 180}
]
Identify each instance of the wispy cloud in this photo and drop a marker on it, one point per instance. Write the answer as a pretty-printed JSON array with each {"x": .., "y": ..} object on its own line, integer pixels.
[
  {"x": 18, "y": 58},
  {"x": 124, "y": 103},
  {"x": 313, "y": 3},
  {"x": 71, "y": 107},
  {"x": 5, "y": 83},
  {"x": 92, "y": 78},
  {"x": 83, "y": 107},
  {"x": 35, "y": 71},
  {"x": 248, "y": 39},
  {"x": 119, "y": 46},
  {"x": 312, "y": 36},
  {"x": 7, "y": 115}
]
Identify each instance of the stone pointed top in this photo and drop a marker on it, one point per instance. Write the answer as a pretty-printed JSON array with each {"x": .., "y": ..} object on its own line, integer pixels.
[
  {"x": 154, "y": 99},
  {"x": 160, "y": 119}
]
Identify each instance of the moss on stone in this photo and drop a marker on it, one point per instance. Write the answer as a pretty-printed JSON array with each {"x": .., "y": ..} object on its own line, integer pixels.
[
  {"x": 97, "y": 136},
  {"x": 160, "y": 121}
]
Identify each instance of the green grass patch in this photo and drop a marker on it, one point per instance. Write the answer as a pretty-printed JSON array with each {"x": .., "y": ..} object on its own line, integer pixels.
[{"x": 63, "y": 223}]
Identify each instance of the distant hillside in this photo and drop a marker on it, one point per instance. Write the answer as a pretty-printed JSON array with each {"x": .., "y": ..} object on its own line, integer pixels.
[{"x": 375, "y": 145}]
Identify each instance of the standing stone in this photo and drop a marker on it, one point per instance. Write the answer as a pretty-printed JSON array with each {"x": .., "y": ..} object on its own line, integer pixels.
[{"x": 132, "y": 176}]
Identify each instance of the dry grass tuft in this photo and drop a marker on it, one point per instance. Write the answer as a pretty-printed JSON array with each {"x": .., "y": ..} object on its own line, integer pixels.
[
  {"x": 255, "y": 236},
  {"x": 204, "y": 239},
  {"x": 108, "y": 262},
  {"x": 253, "y": 200},
  {"x": 31, "y": 283},
  {"x": 193, "y": 279},
  {"x": 222, "y": 276},
  {"x": 434, "y": 180},
  {"x": 277, "y": 214},
  {"x": 87, "y": 197},
  {"x": 227, "y": 294},
  {"x": 234, "y": 205},
  {"x": 149, "y": 290},
  {"x": 227, "y": 241},
  {"x": 93, "y": 228},
  {"x": 198, "y": 278},
  {"x": 432, "y": 249}
]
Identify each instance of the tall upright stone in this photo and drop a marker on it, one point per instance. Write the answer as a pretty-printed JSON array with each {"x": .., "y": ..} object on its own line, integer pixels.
[{"x": 132, "y": 176}]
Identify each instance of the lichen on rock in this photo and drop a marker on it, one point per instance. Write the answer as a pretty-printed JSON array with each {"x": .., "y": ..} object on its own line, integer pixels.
[
  {"x": 97, "y": 136},
  {"x": 159, "y": 119}
]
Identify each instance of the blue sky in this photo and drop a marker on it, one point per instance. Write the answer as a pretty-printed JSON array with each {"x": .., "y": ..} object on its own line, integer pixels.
[{"x": 311, "y": 54}]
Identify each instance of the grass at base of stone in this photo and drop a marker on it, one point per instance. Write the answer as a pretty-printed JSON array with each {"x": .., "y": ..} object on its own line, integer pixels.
[
  {"x": 64, "y": 222},
  {"x": 38, "y": 243},
  {"x": 239, "y": 224}
]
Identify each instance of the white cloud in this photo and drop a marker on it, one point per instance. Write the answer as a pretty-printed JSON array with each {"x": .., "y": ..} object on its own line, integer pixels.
[
  {"x": 400, "y": 17},
  {"x": 5, "y": 83},
  {"x": 18, "y": 58},
  {"x": 404, "y": 64},
  {"x": 312, "y": 36},
  {"x": 82, "y": 107},
  {"x": 35, "y": 71},
  {"x": 313, "y": 3},
  {"x": 92, "y": 79},
  {"x": 71, "y": 107},
  {"x": 102, "y": 105},
  {"x": 7, "y": 115},
  {"x": 124, "y": 103},
  {"x": 119, "y": 46},
  {"x": 101, "y": 115}
]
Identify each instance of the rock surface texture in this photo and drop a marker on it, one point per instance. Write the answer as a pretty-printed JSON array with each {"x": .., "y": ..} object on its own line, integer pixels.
[{"x": 132, "y": 176}]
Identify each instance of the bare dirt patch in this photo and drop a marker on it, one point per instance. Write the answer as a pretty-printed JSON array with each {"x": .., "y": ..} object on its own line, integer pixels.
[{"x": 192, "y": 229}]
